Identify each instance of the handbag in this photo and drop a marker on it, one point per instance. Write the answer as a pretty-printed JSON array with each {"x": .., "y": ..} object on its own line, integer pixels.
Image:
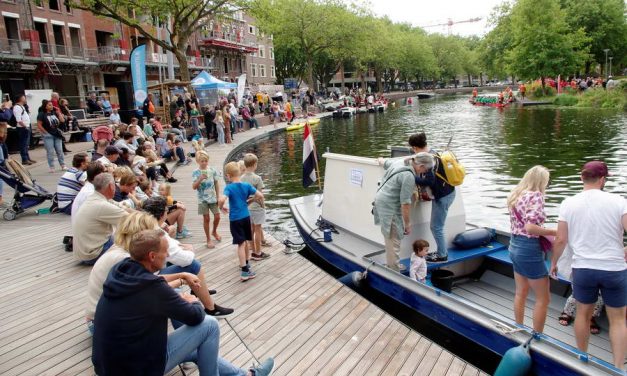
[{"x": 546, "y": 242}]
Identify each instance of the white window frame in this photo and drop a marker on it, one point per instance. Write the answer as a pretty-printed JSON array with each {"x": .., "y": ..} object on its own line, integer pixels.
[
  {"x": 253, "y": 69},
  {"x": 262, "y": 51},
  {"x": 272, "y": 71},
  {"x": 251, "y": 29},
  {"x": 262, "y": 70},
  {"x": 271, "y": 52}
]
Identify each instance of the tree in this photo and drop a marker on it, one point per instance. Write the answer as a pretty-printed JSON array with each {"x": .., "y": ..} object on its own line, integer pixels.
[
  {"x": 313, "y": 26},
  {"x": 187, "y": 17},
  {"x": 417, "y": 58},
  {"x": 604, "y": 23},
  {"x": 543, "y": 45},
  {"x": 324, "y": 68},
  {"x": 289, "y": 61},
  {"x": 449, "y": 53},
  {"x": 494, "y": 46}
]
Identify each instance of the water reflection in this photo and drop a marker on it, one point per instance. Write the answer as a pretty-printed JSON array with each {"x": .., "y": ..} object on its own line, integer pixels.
[{"x": 496, "y": 146}]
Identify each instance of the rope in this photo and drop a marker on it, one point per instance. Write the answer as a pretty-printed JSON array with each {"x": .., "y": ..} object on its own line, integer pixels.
[{"x": 242, "y": 340}]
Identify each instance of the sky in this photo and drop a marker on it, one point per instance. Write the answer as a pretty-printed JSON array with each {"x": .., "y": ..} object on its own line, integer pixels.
[{"x": 430, "y": 12}]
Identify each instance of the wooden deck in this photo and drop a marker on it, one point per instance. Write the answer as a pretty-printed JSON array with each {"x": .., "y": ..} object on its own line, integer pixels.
[{"x": 309, "y": 322}]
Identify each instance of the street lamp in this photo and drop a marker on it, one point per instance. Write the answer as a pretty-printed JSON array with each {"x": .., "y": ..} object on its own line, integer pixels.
[
  {"x": 610, "y": 71},
  {"x": 606, "y": 51}
]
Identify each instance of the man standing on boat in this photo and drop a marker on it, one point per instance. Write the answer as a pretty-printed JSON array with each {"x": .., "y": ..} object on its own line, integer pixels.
[
  {"x": 593, "y": 223},
  {"x": 443, "y": 197},
  {"x": 392, "y": 201}
]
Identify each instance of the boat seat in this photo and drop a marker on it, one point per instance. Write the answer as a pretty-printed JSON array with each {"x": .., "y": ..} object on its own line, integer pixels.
[
  {"x": 456, "y": 255},
  {"x": 503, "y": 257}
]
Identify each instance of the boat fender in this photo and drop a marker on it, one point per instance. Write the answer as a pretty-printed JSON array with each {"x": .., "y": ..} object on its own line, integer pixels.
[
  {"x": 355, "y": 280},
  {"x": 473, "y": 238},
  {"x": 516, "y": 361}
]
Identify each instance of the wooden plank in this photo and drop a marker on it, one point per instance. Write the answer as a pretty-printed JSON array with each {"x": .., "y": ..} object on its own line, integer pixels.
[
  {"x": 415, "y": 357},
  {"x": 400, "y": 356},
  {"x": 456, "y": 368},
  {"x": 442, "y": 364}
]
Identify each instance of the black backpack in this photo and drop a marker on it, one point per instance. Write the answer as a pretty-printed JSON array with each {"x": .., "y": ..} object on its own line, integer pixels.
[{"x": 6, "y": 116}]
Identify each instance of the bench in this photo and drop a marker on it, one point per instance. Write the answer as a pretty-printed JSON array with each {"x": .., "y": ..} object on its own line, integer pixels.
[
  {"x": 459, "y": 255},
  {"x": 503, "y": 258},
  {"x": 84, "y": 125}
]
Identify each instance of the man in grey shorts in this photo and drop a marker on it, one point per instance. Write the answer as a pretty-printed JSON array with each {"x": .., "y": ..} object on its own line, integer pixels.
[{"x": 257, "y": 211}]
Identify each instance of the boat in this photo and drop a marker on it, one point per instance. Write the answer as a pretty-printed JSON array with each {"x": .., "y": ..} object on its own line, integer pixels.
[
  {"x": 424, "y": 95},
  {"x": 380, "y": 106},
  {"x": 489, "y": 101},
  {"x": 344, "y": 112},
  {"x": 479, "y": 304},
  {"x": 295, "y": 127}
]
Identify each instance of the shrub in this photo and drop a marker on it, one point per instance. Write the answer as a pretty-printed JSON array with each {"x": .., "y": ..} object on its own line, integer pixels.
[
  {"x": 601, "y": 98},
  {"x": 566, "y": 100},
  {"x": 569, "y": 90},
  {"x": 538, "y": 92}
]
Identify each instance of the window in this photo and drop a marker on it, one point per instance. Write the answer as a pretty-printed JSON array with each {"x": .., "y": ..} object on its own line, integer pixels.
[
  {"x": 262, "y": 51},
  {"x": 271, "y": 49},
  {"x": 68, "y": 8},
  {"x": 272, "y": 71},
  {"x": 226, "y": 65},
  {"x": 262, "y": 70},
  {"x": 75, "y": 41},
  {"x": 253, "y": 70},
  {"x": 54, "y": 5},
  {"x": 251, "y": 29},
  {"x": 39, "y": 3},
  {"x": 59, "y": 40},
  {"x": 43, "y": 36}
]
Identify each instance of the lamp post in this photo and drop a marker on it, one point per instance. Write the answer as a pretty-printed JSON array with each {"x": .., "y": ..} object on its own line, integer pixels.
[
  {"x": 610, "y": 71},
  {"x": 606, "y": 51}
]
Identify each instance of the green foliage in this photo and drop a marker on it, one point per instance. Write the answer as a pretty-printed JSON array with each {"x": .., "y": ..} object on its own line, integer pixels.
[
  {"x": 538, "y": 92},
  {"x": 450, "y": 54},
  {"x": 543, "y": 44},
  {"x": 570, "y": 91},
  {"x": 566, "y": 100},
  {"x": 604, "y": 24},
  {"x": 494, "y": 46},
  {"x": 601, "y": 98}
]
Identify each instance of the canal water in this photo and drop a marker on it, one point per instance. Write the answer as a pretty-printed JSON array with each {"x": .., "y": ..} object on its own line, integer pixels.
[{"x": 496, "y": 146}]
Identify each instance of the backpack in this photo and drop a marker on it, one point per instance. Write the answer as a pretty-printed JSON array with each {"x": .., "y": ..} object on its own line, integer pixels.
[
  {"x": 5, "y": 115},
  {"x": 454, "y": 172}
]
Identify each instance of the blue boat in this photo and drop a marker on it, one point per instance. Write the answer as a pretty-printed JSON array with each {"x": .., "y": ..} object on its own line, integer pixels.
[{"x": 479, "y": 306}]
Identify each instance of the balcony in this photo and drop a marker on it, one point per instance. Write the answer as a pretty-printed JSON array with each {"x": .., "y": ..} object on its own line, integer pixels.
[
  {"x": 227, "y": 40},
  {"x": 26, "y": 50}
]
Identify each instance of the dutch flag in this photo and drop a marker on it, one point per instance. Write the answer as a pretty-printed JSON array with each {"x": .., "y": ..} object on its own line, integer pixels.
[{"x": 309, "y": 158}]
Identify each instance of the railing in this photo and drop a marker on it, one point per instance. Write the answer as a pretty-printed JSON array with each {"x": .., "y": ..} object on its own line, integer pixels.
[
  {"x": 20, "y": 49},
  {"x": 228, "y": 36}
]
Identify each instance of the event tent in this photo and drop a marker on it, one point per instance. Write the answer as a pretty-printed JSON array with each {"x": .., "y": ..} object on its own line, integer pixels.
[{"x": 205, "y": 81}]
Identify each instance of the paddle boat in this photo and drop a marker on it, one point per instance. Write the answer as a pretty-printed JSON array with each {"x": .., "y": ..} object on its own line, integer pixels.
[
  {"x": 344, "y": 112},
  {"x": 295, "y": 127},
  {"x": 490, "y": 101},
  {"x": 471, "y": 293}
]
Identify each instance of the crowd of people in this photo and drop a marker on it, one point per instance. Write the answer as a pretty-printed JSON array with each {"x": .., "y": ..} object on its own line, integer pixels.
[
  {"x": 127, "y": 226},
  {"x": 591, "y": 226}
]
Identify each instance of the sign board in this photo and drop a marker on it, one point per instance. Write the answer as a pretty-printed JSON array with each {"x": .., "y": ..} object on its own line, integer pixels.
[
  {"x": 33, "y": 99},
  {"x": 357, "y": 177},
  {"x": 290, "y": 83}
]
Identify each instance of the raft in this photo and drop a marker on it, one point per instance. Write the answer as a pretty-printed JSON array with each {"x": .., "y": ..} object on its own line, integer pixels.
[{"x": 298, "y": 126}]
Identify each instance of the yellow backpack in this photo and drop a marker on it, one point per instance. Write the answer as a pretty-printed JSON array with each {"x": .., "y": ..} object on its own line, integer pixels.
[{"x": 454, "y": 172}]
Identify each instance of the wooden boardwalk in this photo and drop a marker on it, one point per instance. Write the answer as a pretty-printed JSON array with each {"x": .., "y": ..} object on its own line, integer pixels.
[{"x": 309, "y": 322}]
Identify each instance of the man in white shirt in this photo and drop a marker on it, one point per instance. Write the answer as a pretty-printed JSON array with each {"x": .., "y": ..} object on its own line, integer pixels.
[
  {"x": 111, "y": 154},
  {"x": 22, "y": 119},
  {"x": 94, "y": 169},
  {"x": 593, "y": 223}
]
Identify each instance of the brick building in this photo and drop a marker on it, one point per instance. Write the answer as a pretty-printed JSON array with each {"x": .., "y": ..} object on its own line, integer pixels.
[{"x": 46, "y": 45}]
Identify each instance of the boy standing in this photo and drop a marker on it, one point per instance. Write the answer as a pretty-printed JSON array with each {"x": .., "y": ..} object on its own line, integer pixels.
[
  {"x": 205, "y": 182},
  {"x": 237, "y": 193},
  {"x": 257, "y": 210},
  {"x": 418, "y": 267}
]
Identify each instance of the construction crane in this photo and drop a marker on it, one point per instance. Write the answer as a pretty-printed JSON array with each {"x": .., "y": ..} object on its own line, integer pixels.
[{"x": 450, "y": 23}]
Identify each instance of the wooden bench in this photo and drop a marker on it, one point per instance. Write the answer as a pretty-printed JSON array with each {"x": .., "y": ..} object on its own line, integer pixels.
[
  {"x": 459, "y": 255},
  {"x": 84, "y": 125}
]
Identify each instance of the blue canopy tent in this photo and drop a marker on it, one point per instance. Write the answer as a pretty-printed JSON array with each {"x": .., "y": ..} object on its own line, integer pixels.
[{"x": 208, "y": 88}]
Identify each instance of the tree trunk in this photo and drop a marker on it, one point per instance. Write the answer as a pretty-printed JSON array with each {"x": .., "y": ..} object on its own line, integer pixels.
[
  {"x": 377, "y": 76},
  {"x": 310, "y": 79},
  {"x": 543, "y": 88},
  {"x": 183, "y": 66},
  {"x": 343, "y": 78}
]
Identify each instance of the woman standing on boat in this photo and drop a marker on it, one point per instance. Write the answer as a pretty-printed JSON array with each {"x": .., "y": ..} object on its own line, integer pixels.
[{"x": 526, "y": 210}]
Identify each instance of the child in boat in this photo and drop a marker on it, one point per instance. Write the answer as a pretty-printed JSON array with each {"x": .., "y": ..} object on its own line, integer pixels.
[
  {"x": 237, "y": 194},
  {"x": 205, "y": 183},
  {"x": 257, "y": 210},
  {"x": 418, "y": 267}
]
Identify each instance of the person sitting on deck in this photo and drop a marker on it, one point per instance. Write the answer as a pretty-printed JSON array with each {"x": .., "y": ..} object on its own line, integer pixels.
[
  {"x": 71, "y": 182},
  {"x": 130, "y": 324},
  {"x": 94, "y": 169},
  {"x": 93, "y": 227},
  {"x": 111, "y": 155},
  {"x": 418, "y": 265},
  {"x": 181, "y": 258},
  {"x": 392, "y": 201}
]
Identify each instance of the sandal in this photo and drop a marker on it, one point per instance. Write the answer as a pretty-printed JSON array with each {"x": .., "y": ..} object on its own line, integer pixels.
[
  {"x": 210, "y": 245},
  {"x": 565, "y": 319},
  {"x": 594, "y": 327}
]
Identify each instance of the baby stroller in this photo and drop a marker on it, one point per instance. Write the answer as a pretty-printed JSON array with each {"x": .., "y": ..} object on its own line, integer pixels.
[{"x": 27, "y": 192}]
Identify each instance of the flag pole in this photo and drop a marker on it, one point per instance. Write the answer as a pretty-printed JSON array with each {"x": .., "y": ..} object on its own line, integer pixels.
[{"x": 316, "y": 158}]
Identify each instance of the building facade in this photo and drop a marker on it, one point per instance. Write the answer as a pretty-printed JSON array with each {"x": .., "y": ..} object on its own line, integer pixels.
[{"x": 44, "y": 44}]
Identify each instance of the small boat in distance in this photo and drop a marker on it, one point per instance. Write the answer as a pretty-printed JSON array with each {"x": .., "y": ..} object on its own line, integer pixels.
[
  {"x": 475, "y": 297},
  {"x": 425, "y": 95}
]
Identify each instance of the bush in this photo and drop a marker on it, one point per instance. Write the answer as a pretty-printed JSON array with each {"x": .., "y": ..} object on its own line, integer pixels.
[
  {"x": 570, "y": 91},
  {"x": 538, "y": 92},
  {"x": 566, "y": 100},
  {"x": 601, "y": 98}
]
